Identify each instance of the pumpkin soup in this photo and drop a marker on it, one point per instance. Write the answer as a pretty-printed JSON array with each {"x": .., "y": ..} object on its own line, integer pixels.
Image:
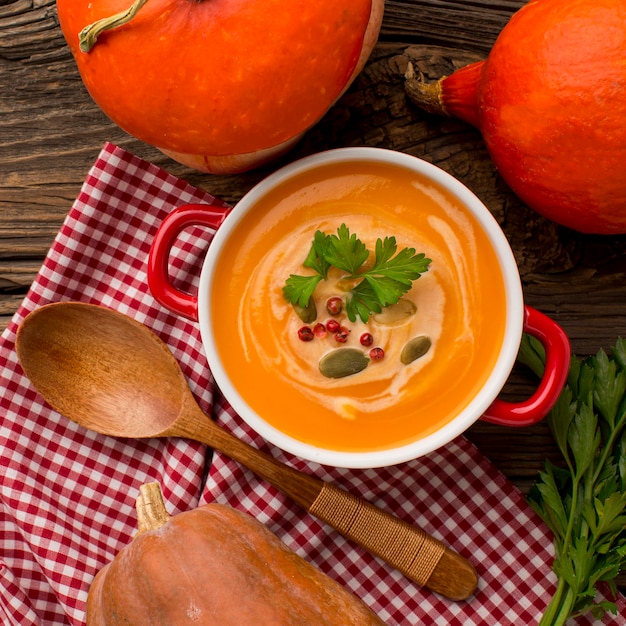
[{"x": 335, "y": 379}]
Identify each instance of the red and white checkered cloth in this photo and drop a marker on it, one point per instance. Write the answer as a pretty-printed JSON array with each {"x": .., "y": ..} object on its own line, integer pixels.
[{"x": 67, "y": 495}]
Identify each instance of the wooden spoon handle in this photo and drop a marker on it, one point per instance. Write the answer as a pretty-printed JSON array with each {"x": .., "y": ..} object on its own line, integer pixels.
[{"x": 420, "y": 557}]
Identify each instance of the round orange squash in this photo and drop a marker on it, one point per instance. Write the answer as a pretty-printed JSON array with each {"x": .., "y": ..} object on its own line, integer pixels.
[
  {"x": 220, "y": 85},
  {"x": 214, "y": 566},
  {"x": 550, "y": 102}
]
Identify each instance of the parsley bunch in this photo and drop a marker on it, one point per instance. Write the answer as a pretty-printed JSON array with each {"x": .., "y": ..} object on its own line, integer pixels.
[
  {"x": 583, "y": 501},
  {"x": 377, "y": 286}
]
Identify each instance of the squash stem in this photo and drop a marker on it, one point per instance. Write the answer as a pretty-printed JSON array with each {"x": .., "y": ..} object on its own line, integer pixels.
[
  {"x": 151, "y": 511},
  {"x": 454, "y": 95},
  {"x": 88, "y": 36},
  {"x": 425, "y": 95}
]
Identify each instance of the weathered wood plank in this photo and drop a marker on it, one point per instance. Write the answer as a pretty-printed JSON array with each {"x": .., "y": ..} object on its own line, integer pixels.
[{"x": 51, "y": 132}]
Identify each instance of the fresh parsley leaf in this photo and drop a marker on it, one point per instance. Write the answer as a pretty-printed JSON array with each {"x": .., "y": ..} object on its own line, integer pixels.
[
  {"x": 388, "y": 279},
  {"x": 317, "y": 257},
  {"x": 346, "y": 252},
  {"x": 583, "y": 439},
  {"x": 299, "y": 289},
  {"x": 546, "y": 500},
  {"x": 559, "y": 420},
  {"x": 390, "y": 276},
  {"x": 620, "y": 454},
  {"x": 362, "y": 302},
  {"x": 610, "y": 387},
  {"x": 404, "y": 268},
  {"x": 585, "y": 504}
]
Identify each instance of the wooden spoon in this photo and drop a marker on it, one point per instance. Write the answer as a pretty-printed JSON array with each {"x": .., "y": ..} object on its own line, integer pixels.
[{"x": 112, "y": 375}]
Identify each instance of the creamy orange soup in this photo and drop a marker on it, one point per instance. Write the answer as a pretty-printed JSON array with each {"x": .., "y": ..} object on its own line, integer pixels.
[{"x": 460, "y": 306}]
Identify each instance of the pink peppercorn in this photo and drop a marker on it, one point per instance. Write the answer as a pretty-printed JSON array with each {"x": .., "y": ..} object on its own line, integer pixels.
[
  {"x": 366, "y": 339},
  {"x": 305, "y": 333},
  {"x": 341, "y": 336},
  {"x": 377, "y": 354},
  {"x": 332, "y": 326},
  {"x": 334, "y": 305},
  {"x": 319, "y": 330}
]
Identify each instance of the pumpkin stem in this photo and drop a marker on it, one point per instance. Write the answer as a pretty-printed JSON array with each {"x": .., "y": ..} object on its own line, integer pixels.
[
  {"x": 89, "y": 35},
  {"x": 455, "y": 95},
  {"x": 151, "y": 512},
  {"x": 425, "y": 95}
]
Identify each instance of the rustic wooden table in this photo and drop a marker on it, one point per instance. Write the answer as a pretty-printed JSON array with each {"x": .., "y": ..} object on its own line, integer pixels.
[{"x": 51, "y": 132}]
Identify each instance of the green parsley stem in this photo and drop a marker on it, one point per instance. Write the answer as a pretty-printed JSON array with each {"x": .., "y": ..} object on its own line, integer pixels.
[{"x": 560, "y": 606}]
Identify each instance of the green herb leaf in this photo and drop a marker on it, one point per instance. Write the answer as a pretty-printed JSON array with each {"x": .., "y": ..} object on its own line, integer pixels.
[
  {"x": 559, "y": 421},
  {"x": 545, "y": 498},
  {"x": 403, "y": 268},
  {"x": 299, "y": 289},
  {"x": 532, "y": 354},
  {"x": 583, "y": 439},
  {"x": 609, "y": 388},
  {"x": 621, "y": 462},
  {"x": 383, "y": 284},
  {"x": 585, "y": 504},
  {"x": 610, "y": 515},
  {"x": 362, "y": 301},
  {"x": 619, "y": 353},
  {"x": 316, "y": 259},
  {"x": 345, "y": 251}
]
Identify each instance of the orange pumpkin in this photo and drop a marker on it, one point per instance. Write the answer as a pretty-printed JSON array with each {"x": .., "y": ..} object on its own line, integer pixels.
[
  {"x": 214, "y": 565},
  {"x": 221, "y": 85},
  {"x": 550, "y": 102}
]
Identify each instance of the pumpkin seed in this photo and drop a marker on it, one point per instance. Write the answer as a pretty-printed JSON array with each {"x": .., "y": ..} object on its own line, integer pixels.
[
  {"x": 343, "y": 362},
  {"x": 307, "y": 314},
  {"x": 415, "y": 348},
  {"x": 347, "y": 284},
  {"x": 396, "y": 313}
]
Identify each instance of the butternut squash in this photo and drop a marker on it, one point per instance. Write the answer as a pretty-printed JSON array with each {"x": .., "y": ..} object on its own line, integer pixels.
[{"x": 214, "y": 565}]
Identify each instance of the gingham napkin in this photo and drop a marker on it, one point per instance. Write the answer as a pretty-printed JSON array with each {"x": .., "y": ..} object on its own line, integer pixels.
[{"x": 67, "y": 495}]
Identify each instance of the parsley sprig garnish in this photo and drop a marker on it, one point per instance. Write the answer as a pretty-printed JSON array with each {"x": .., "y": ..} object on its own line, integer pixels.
[
  {"x": 378, "y": 285},
  {"x": 583, "y": 499}
]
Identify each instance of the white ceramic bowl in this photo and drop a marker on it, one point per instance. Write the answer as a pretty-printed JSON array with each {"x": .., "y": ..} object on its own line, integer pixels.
[{"x": 519, "y": 318}]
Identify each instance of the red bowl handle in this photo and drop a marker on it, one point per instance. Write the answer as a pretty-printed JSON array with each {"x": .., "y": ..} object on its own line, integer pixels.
[
  {"x": 558, "y": 353},
  {"x": 159, "y": 282}
]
